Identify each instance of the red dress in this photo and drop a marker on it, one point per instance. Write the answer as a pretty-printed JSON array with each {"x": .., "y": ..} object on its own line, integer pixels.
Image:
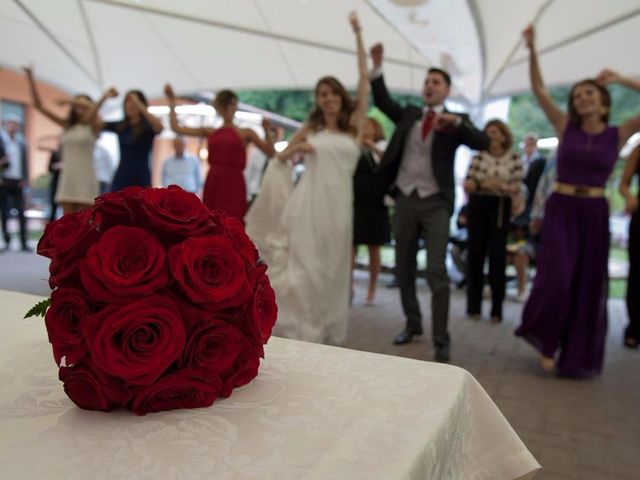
[{"x": 225, "y": 188}]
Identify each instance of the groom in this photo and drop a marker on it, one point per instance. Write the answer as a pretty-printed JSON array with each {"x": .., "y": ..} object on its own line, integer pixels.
[{"x": 418, "y": 165}]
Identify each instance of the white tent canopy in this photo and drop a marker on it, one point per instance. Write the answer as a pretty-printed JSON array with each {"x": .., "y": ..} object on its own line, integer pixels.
[{"x": 199, "y": 45}]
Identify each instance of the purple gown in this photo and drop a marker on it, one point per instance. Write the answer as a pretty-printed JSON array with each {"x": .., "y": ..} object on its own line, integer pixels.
[{"x": 567, "y": 308}]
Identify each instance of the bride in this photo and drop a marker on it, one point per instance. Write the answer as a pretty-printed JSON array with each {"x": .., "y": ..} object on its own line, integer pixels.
[{"x": 305, "y": 237}]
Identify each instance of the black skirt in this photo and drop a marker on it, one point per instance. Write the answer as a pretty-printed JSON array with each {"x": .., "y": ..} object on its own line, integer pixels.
[{"x": 370, "y": 215}]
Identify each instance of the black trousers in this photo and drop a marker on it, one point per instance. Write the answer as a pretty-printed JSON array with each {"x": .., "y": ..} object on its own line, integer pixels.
[
  {"x": 11, "y": 194},
  {"x": 633, "y": 282},
  {"x": 488, "y": 226}
]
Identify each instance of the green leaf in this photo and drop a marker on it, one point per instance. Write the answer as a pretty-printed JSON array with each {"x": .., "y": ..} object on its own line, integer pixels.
[{"x": 39, "y": 309}]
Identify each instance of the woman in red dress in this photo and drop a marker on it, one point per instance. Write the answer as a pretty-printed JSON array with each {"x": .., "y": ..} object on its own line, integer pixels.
[{"x": 225, "y": 187}]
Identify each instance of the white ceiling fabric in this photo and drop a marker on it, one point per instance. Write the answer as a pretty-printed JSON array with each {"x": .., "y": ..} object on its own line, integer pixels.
[{"x": 198, "y": 45}]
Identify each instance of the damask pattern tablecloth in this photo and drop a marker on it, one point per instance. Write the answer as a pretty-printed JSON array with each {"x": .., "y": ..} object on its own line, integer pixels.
[{"x": 313, "y": 412}]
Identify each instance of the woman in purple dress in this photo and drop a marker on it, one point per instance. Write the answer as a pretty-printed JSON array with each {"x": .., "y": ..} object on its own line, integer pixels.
[{"x": 567, "y": 308}]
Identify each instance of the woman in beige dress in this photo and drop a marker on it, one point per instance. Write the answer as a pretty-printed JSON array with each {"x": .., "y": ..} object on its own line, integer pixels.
[{"x": 78, "y": 185}]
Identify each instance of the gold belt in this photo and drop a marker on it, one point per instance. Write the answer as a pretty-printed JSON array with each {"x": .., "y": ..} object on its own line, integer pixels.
[{"x": 578, "y": 190}]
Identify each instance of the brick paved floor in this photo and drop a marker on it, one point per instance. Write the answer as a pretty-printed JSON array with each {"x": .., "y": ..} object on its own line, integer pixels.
[{"x": 578, "y": 430}]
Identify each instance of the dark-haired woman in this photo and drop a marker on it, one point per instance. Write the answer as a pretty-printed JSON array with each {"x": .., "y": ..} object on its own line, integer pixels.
[
  {"x": 225, "y": 188},
  {"x": 567, "y": 308},
  {"x": 78, "y": 186},
  {"x": 494, "y": 177},
  {"x": 136, "y": 132},
  {"x": 308, "y": 248}
]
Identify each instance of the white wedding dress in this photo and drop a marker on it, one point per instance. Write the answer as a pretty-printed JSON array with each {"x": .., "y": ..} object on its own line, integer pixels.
[{"x": 307, "y": 242}]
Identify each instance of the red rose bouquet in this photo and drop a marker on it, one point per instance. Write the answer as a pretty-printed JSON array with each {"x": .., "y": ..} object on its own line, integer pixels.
[{"x": 157, "y": 302}]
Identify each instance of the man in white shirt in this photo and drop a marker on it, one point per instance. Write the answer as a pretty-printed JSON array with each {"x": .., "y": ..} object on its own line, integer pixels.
[
  {"x": 103, "y": 164},
  {"x": 257, "y": 164},
  {"x": 182, "y": 169},
  {"x": 15, "y": 177}
]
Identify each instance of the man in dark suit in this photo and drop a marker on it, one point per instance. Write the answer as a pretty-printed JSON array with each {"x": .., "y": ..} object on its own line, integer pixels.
[
  {"x": 418, "y": 165},
  {"x": 15, "y": 177}
]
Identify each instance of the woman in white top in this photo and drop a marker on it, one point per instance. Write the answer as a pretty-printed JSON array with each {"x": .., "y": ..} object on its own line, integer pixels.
[
  {"x": 494, "y": 177},
  {"x": 308, "y": 245},
  {"x": 78, "y": 185}
]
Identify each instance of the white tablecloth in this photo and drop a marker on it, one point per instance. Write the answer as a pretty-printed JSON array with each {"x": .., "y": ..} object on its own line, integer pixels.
[{"x": 313, "y": 412}]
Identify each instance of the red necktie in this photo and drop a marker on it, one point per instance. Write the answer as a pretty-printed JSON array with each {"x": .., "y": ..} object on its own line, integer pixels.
[{"x": 427, "y": 123}]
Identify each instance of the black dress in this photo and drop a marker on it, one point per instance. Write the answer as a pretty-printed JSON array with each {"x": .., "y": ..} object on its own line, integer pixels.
[{"x": 370, "y": 215}]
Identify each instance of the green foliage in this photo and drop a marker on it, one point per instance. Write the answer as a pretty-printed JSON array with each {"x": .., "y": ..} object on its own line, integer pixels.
[
  {"x": 297, "y": 104},
  {"x": 39, "y": 309}
]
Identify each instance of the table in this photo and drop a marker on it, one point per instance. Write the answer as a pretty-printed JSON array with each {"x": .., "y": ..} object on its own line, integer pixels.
[{"x": 313, "y": 412}]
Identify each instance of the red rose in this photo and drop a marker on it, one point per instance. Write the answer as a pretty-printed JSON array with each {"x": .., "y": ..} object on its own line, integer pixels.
[
  {"x": 234, "y": 231},
  {"x": 214, "y": 346},
  {"x": 183, "y": 389},
  {"x": 264, "y": 310},
  {"x": 174, "y": 212},
  {"x": 244, "y": 372},
  {"x": 72, "y": 233},
  {"x": 209, "y": 271},
  {"x": 126, "y": 262},
  {"x": 136, "y": 342},
  {"x": 85, "y": 388},
  {"x": 118, "y": 208},
  {"x": 80, "y": 384},
  {"x": 64, "y": 272},
  {"x": 67, "y": 312}
]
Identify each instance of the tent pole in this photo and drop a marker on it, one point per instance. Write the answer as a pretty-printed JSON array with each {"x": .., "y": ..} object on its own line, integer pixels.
[
  {"x": 250, "y": 31},
  {"x": 514, "y": 49},
  {"x": 92, "y": 41},
  {"x": 55, "y": 40},
  {"x": 586, "y": 33}
]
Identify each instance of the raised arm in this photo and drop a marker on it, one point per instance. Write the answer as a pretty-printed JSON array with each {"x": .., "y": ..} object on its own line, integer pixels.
[
  {"x": 359, "y": 116},
  {"x": 173, "y": 118},
  {"x": 632, "y": 125},
  {"x": 630, "y": 169},
  {"x": 38, "y": 103},
  {"x": 155, "y": 122},
  {"x": 557, "y": 117},
  {"x": 91, "y": 113},
  {"x": 381, "y": 97},
  {"x": 266, "y": 145},
  {"x": 607, "y": 76}
]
